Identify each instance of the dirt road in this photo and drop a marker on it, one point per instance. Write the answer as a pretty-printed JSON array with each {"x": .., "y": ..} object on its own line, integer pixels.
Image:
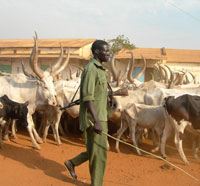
[{"x": 21, "y": 165}]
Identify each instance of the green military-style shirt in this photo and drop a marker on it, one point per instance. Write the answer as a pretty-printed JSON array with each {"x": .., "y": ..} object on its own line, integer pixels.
[{"x": 93, "y": 87}]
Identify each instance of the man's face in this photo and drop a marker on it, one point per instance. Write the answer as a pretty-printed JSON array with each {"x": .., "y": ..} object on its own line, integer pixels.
[{"x": 104, "y": 53}]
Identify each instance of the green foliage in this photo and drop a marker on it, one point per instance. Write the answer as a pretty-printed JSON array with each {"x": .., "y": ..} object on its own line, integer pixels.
[{"x": 119, "y": 43}]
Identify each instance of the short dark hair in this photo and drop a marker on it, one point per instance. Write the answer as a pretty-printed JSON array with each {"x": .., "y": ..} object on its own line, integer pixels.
[{"x": 97, "y": 45}]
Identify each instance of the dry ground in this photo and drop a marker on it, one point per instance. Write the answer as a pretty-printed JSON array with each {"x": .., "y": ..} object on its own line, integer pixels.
[{"x": 21, "y": 165}]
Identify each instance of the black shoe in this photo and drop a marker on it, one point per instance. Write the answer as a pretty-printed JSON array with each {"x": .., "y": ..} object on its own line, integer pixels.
[{"x": 70, "y": 168}]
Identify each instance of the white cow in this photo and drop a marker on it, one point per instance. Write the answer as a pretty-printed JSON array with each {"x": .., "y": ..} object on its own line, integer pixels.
[
  {"x": 36, "y": 89},
  {"x": 65, "y": 91},
  {"x": 145, "y": 116}
]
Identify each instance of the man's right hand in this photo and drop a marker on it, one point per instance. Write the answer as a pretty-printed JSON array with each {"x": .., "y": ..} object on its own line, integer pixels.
[
  {"x": 98, "y": 127},
  {"x": 97, "y": 123}
]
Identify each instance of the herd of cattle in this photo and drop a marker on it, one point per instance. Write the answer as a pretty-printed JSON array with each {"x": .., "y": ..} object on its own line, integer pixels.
[{"x": 167, "y": 106}]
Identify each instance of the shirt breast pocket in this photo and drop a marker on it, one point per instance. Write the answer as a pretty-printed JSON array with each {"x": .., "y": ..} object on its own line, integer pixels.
[
  {"x": 101, "y": 87},
  {"x": 103, "y": 82}
]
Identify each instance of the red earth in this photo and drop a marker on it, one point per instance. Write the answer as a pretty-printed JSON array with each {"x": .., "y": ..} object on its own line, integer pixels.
[{"x": 21, "y": 165}]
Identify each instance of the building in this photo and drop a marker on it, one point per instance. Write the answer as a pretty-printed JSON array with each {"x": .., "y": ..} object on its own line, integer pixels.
[
  {"x": 12, "y": 51},
  {"x": 176, "y": 59}
]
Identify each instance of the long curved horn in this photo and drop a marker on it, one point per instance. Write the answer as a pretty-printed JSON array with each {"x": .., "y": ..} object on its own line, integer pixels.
[
  {"x": 113, "y": 69},
  {"x": 119, "y": 78},
  {"x": 62, "y": 66},
  {"x": 32, "y": 55},
  {"x": 177, "y": 78},
  {"x": 58, "y": 63},
  {"x": 143, "y": 70},
  {"x": 166, "y": 74},
  {"x": 124, "y": 76},
  {"x": 34, "y": 59},
  {"x": 78, "y": 72},
  {"x": 25, "y": 72},
  {"x": 161, "y": 73},
  {"x": 182, "y": 77},
  {"x": 170, "y": 72},
  {"x": 152, "y": 76},
  {"x": 158, "y": 72},
  {"x": 187, "y": 81},
  {"x": 171, "y": 82},
  {"x": 70, "y": 72},
  {"x": 194, "y": 79},
  {"x": 131, "y": 68}
]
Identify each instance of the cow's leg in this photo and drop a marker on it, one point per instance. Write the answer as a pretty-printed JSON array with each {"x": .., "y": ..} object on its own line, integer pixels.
[
  {"x": 198, "y": 146},
  {"x": 155, "y": 143},
  {"x": 43, "y": 124},
  {"x": 39, "y": 140},
  {"x": 46, "y": 124},
  {"x": 120, "y": 131},
  {"x": 179, "y": 130},
  {"x": 14, "y": 129},
  {"x": 178, "y": 141},
  {"x": 6, "y": 128},
  {"x": 132, "y": 126},
  {"x": 55, "y": 127},
  {"x": 195, "y": 146},
  {"x": 139, "y": 135},
  {"x": 45, "y": 133},
  {"x": 1, "y": 141},
  {"x": 159, "y": 128},
  {"x": 62, "y": 131},
  {"x": 156, "y": 148},
  {"x": 34, "y": 131},
  {"x": 166, "y": 132},
  {"x": 30, "y": 130}
]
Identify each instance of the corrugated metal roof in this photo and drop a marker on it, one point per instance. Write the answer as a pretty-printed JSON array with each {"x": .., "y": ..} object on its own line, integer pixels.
[{"x": 76, "y": 43}]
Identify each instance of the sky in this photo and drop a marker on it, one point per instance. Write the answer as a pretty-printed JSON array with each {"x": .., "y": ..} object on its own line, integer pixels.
[{"x": 146, "y": 23}]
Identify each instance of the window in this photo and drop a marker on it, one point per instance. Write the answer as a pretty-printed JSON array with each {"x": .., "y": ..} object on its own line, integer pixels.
[
  {"x": 136, "y": 71},
  {"x": 44, "y": 67},
  {"x": 5, "y": 68}
]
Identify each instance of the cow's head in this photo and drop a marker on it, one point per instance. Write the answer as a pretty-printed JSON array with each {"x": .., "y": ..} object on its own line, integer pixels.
[
  {"x": 46, "y": 79},
  {"x": 20, "y": 112},
  {"x": 167, "y": 100},
  {"x": 48, "y": 89}
]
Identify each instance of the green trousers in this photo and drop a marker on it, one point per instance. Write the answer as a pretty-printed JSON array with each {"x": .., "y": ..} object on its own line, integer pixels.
[{"x": 96, "y": 153}]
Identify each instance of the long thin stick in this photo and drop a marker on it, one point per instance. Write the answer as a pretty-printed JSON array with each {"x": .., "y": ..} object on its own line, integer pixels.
[{"x": 148, "y": 153}]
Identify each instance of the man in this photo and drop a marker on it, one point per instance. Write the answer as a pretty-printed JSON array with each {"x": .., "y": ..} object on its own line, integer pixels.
[{"x": 93, "y": 115}]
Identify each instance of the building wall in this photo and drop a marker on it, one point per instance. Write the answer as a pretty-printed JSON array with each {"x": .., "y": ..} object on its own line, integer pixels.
[{"x": 13, "y": 65}]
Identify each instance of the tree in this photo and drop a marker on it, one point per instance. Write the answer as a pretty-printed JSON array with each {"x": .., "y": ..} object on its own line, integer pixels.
[{"x": 120, "y": 42}]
